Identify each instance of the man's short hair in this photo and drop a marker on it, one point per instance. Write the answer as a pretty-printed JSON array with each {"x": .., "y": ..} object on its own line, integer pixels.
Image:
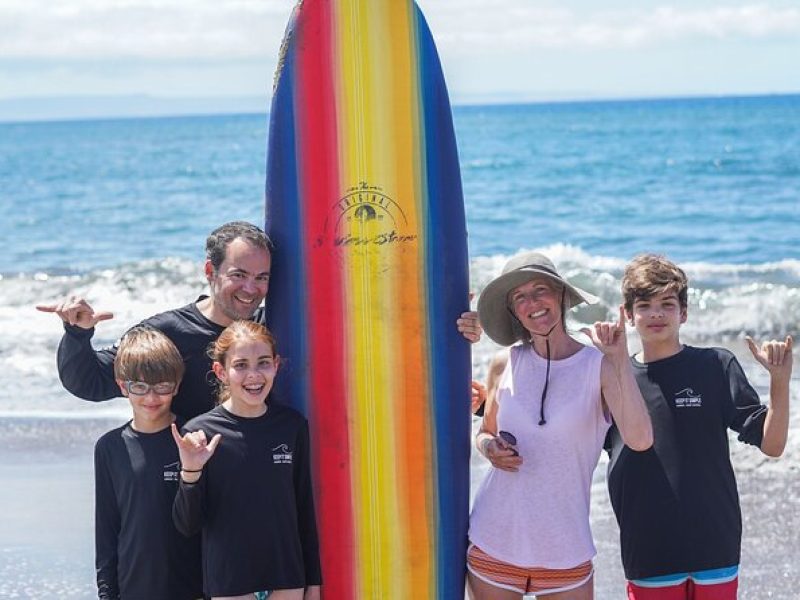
[
  {"x": 650, "y": 274},
  {"x": 146, "y": 354},
  {"x": 218, "y": 241}
]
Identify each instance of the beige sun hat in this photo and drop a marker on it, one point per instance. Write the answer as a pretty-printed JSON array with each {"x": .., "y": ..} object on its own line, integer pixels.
[{"x": 495, "y": 317}]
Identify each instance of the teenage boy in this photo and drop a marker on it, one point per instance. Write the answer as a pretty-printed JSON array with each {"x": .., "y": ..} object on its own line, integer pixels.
[
  {"x": 139, "y": 553},
  {"x": 677, "y": 503}
]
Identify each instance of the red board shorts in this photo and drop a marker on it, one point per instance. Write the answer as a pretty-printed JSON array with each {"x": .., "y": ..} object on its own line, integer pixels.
[
  {"x": 713, "y": 584},
  {"x": 526, "y": 580}
]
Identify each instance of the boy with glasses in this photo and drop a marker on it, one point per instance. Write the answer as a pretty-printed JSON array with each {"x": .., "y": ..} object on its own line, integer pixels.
[{"x": 139, "y": 553}]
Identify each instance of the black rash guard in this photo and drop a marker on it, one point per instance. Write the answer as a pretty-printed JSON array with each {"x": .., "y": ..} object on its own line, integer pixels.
[
  {"x": 89, "y": 373},
  {"x": 138, "y": 551},
  {"x": 253, "y": 504},
  {"x": 677, "y": 503}
]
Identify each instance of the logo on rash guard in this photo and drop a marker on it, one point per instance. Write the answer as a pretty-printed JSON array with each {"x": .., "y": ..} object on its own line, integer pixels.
[
  {"x": 688, "y": 398},
  {"x": 172, "y": 471},
  {"x": 281, "y": 455}
]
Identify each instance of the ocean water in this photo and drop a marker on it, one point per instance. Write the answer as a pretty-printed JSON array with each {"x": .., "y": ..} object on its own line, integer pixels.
[{"x": 118, "y": 210}]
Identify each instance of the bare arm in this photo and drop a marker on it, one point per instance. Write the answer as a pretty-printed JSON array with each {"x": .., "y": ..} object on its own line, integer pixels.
[
  {"x": 499, "y": 452},
  {"x": 623, "y": 398},
  {"x": 620, "y": 391},
  {"x": 776, "y": 357}
]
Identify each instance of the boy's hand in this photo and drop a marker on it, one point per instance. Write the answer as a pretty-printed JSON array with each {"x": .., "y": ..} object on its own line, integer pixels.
[
  {"x": 775, "y": 356},
  {"x": 609, "y": 337},
  {"x": 76, "y": 311},
  {"x": 194, "y": 449}
]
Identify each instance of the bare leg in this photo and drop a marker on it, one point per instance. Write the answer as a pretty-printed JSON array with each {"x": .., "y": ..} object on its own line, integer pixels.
[
  {"x": 480, "y": 590},
  {"x": 582, "y": 592},
  {"x": 294, "y": 594}
]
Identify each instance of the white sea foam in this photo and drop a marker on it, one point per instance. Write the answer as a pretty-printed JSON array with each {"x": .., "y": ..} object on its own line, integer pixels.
[{"x": 726, "y": 301}]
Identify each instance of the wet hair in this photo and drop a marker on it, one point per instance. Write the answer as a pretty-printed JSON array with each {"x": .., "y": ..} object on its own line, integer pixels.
[
  {"x": 648, "y": 275},
  {"x": 146, "y": 354},
  {"x": 218, "y": 241},
  {"x": 236, "y": 332}
]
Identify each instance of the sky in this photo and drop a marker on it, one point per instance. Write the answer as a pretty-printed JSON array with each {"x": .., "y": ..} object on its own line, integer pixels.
[{"x": 492, "y": 50}]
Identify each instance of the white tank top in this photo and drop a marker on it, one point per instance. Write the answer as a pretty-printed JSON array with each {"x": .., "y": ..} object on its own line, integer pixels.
[{"x": 539, "y": 516}]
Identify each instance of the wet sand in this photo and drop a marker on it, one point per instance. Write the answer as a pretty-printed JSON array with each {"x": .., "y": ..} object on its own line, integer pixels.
[{"x": 47, "y": 504}]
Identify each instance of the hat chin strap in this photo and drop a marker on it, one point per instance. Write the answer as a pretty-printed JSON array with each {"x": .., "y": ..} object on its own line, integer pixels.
[{"x": 546, "y": 336}]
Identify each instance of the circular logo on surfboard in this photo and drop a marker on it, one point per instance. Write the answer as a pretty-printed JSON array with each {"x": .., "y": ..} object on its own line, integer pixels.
[{"x": 365, "y": 216}]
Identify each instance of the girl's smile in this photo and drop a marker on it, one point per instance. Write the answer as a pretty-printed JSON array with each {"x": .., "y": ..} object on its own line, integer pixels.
[{"x": 249, "y": 371}]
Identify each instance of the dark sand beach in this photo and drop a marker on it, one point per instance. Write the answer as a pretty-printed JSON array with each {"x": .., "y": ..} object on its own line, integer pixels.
[{"x": 47, "y": 547}]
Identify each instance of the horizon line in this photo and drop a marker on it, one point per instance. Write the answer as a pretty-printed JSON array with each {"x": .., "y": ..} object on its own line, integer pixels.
[{"x": 164, "y": 111}]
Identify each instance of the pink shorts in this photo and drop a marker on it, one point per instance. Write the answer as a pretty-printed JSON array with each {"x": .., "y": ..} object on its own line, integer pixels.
[{"x": 525, "y": 580}]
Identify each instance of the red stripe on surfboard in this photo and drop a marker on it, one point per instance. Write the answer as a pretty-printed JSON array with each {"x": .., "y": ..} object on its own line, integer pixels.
[{"x": 319, "y": 187}]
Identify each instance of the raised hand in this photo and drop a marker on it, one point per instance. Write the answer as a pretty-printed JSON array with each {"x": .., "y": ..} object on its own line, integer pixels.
[
  {"x": 76, "y": 311},
  {"x": 194, "y": 449},
  {"x": 775, "y": 356},
  {"x": 609, "y": 337}
]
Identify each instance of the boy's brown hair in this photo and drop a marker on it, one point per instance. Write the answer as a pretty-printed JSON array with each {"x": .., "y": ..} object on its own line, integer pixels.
[
  {"x": 146, "y": 354},
  {"x": 651, "y": 274}
]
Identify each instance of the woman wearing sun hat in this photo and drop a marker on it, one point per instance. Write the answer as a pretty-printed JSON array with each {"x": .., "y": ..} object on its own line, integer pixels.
[{"x": 543, "y": 430}]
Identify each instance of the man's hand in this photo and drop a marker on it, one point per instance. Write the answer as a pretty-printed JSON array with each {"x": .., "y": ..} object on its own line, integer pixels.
[
  {"x": 469, "y": 326},
  {"x": 76, "y": 311}
]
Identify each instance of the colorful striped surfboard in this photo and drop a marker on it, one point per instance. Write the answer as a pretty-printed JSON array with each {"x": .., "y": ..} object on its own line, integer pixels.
[{"x": 365, "y": 206}]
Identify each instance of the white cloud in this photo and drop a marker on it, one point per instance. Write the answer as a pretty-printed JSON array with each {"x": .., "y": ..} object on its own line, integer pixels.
[
  {"x": 231, "y": 30},
  {"x": 522, "y": 48},
  {"x": 100, "y": 30},
  {"x": 473, "y": 26}
]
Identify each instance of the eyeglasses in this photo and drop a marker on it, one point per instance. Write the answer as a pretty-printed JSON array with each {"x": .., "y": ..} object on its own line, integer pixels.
[
  {"x": 508, "y": 438},
  {"x": 140, "y": 388}
]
